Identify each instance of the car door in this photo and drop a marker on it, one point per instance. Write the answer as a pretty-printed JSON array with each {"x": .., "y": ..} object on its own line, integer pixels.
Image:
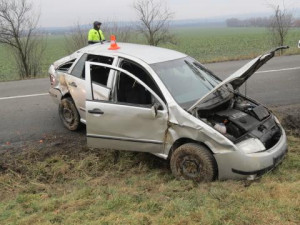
[
  {"x": 125, "y": 126},
  {"x": 76, "y": 82}
]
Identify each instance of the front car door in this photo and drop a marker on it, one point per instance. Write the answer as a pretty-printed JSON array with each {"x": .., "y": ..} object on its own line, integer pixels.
[{"x": 130, "y": 122}]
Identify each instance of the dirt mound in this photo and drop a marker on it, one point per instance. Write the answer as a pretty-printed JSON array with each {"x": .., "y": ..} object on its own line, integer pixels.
[
  {"x": 291, "y": 123},
  {"x": 290, "y": 118}
]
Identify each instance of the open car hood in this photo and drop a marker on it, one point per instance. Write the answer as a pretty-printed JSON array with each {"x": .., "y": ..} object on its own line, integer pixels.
[{"x": 241, "y": 76}]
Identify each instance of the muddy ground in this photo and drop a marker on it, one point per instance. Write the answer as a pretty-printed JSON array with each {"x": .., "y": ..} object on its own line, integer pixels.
[{"x": 289, "y": 116}]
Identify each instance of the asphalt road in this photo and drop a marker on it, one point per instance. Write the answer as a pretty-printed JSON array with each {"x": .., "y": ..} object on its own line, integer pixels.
[
  {"x": 28, "y": 113},
  {"x": 275, "y": 83}
]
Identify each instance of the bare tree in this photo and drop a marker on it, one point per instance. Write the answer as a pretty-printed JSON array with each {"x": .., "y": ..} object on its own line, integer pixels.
[
  {"x": 121, "y": 31},
  {"x": 154, "y": 21},
  {"x": 76, "y": 39},
  {"x": 280, "y": 24},
  {"x": 18, "y": 27}
]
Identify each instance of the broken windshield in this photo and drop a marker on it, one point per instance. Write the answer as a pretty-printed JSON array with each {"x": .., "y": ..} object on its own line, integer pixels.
[{"x": 186, "y": 79}]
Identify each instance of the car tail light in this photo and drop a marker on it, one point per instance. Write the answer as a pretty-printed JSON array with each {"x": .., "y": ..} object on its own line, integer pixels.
[{"x": 52, "y": 79}]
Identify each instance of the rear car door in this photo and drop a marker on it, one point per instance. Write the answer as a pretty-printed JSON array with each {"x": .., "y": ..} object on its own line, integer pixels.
[
  {"x": 76, "y": 81},
  {"x": 137, "y": 124}
]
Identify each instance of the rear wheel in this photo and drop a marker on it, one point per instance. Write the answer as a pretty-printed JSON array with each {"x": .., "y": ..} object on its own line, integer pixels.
[
  {"x": 69, "y": 114},
  {"x": 193, "y": 162}
]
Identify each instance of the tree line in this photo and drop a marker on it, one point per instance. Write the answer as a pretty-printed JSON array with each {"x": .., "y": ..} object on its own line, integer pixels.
[{"x": 256, "y": 22}]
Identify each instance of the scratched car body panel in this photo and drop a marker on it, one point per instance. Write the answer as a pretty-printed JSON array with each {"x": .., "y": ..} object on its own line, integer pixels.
[{"x": 149, "y": 99}]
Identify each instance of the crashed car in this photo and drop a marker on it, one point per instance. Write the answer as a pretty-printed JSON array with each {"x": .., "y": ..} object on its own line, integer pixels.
[{"x": 150, "y": 99}]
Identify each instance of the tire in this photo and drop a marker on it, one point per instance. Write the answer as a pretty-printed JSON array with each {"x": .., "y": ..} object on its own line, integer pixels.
[
  {"x": 193, "y": 162},
  {"x": 69, "y": 114}
]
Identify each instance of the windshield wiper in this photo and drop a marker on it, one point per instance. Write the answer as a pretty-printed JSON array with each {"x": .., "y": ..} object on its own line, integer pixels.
[{"x": 196, "y": 71}]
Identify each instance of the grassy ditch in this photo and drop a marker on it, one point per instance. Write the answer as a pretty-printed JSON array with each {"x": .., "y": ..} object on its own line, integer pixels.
[{"x": 58, "y": 180}]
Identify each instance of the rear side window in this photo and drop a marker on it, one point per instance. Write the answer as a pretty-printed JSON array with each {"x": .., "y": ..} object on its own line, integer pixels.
[
  {"x": 66, "y": 66},
  {"x": 79, "y": 68}
]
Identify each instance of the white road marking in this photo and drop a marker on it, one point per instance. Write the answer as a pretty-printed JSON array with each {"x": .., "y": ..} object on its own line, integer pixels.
[
  {"x": 285, "y": 69},
  {"x": 34, "y": 95},
  {"x": 23, "y": 96}
]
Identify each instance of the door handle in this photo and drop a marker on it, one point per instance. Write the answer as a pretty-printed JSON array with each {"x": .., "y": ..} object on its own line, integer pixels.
[
  {"x": 73, "y": 84},
  {"x": 96, "y": 111}
]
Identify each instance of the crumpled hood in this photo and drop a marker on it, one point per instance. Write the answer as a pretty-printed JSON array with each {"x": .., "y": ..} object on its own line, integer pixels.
[{"x": 242, "y": 75}]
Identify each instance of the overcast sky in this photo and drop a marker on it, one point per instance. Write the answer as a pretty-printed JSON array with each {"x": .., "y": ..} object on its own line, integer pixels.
[{"x": 58, "y": 13}]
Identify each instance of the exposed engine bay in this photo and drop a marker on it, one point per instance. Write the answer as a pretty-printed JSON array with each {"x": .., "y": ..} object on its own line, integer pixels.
[{"x": 240, "y": 118}]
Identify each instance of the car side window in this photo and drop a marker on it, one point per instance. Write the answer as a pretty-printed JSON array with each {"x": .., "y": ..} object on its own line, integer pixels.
[
  {"x": 66, "y": 66},
  {"x": 79, "y": 68},
  {"x": 130, "y": 91}
]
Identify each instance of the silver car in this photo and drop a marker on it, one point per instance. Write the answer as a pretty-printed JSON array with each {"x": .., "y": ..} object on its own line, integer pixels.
[{"x": 156, "y": 100}]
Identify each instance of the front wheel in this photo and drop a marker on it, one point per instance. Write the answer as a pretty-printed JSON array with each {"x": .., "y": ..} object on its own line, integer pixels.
[
  {"x": 69, "y": 114},
  {"x": 193, "y": 162}
]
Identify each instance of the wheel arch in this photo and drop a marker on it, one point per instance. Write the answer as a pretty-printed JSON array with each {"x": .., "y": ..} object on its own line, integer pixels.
[
  {"x": 67, "y": 95},
  {"x": 182, "y": 141}
]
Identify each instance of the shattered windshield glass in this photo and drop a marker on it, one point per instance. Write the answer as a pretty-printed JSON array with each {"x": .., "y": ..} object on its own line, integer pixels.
[{"x": 186, "y": 79}]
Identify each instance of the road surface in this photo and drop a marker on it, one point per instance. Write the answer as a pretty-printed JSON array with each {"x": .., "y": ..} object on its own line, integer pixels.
[{"x": 28, "y": 113}]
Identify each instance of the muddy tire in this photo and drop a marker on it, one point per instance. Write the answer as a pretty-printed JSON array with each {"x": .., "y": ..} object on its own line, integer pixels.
[
  {"x": 193, "y": 162},
  {"x": 69, "y": 114}
]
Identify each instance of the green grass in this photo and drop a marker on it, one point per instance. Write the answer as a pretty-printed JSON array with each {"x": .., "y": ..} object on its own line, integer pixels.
[
  {"x": 55, "y": 50},
  {"x": 204, "y": 44},
  {"x": 52, "y": 183},
  {"x": 222, "y": 44}
]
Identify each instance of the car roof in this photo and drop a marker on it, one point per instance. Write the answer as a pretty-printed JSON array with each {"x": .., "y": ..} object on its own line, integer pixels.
[{"x": 147, "y": 53}]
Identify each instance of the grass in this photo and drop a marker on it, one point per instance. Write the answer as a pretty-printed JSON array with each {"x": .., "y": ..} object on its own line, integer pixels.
[
  {"x": 204, "y": 44},
  {"x": 223, "y": 44},
  {"x": 60, "y": 181},
  {"x": 54, "y": 50}
]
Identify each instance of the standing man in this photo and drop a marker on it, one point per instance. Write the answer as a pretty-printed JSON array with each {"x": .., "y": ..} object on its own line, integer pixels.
[{"x": 95, "y": 34}]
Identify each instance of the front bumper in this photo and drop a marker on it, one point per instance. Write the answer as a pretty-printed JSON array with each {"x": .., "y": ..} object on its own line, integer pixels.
[{"x": 238, "y": 165}]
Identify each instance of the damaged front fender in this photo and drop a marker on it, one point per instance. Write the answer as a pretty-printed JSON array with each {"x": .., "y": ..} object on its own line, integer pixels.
[{"x": 184, "y": 126}]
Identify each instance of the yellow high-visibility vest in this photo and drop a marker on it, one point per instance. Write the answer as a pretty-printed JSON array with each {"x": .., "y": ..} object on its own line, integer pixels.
[{"x": 96, "y": 35}]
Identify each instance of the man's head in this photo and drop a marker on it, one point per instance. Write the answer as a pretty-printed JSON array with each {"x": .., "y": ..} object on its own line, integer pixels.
[{"x": 97, "y": 25}]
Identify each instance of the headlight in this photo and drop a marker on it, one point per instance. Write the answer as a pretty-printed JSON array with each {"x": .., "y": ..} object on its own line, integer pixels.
[{"x": 251, "y": 145}]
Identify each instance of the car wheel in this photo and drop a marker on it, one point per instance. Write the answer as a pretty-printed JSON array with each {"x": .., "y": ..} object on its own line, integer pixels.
[
  {"x": 69, "y": 114},
  {"x": 193, "y": 162}
]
